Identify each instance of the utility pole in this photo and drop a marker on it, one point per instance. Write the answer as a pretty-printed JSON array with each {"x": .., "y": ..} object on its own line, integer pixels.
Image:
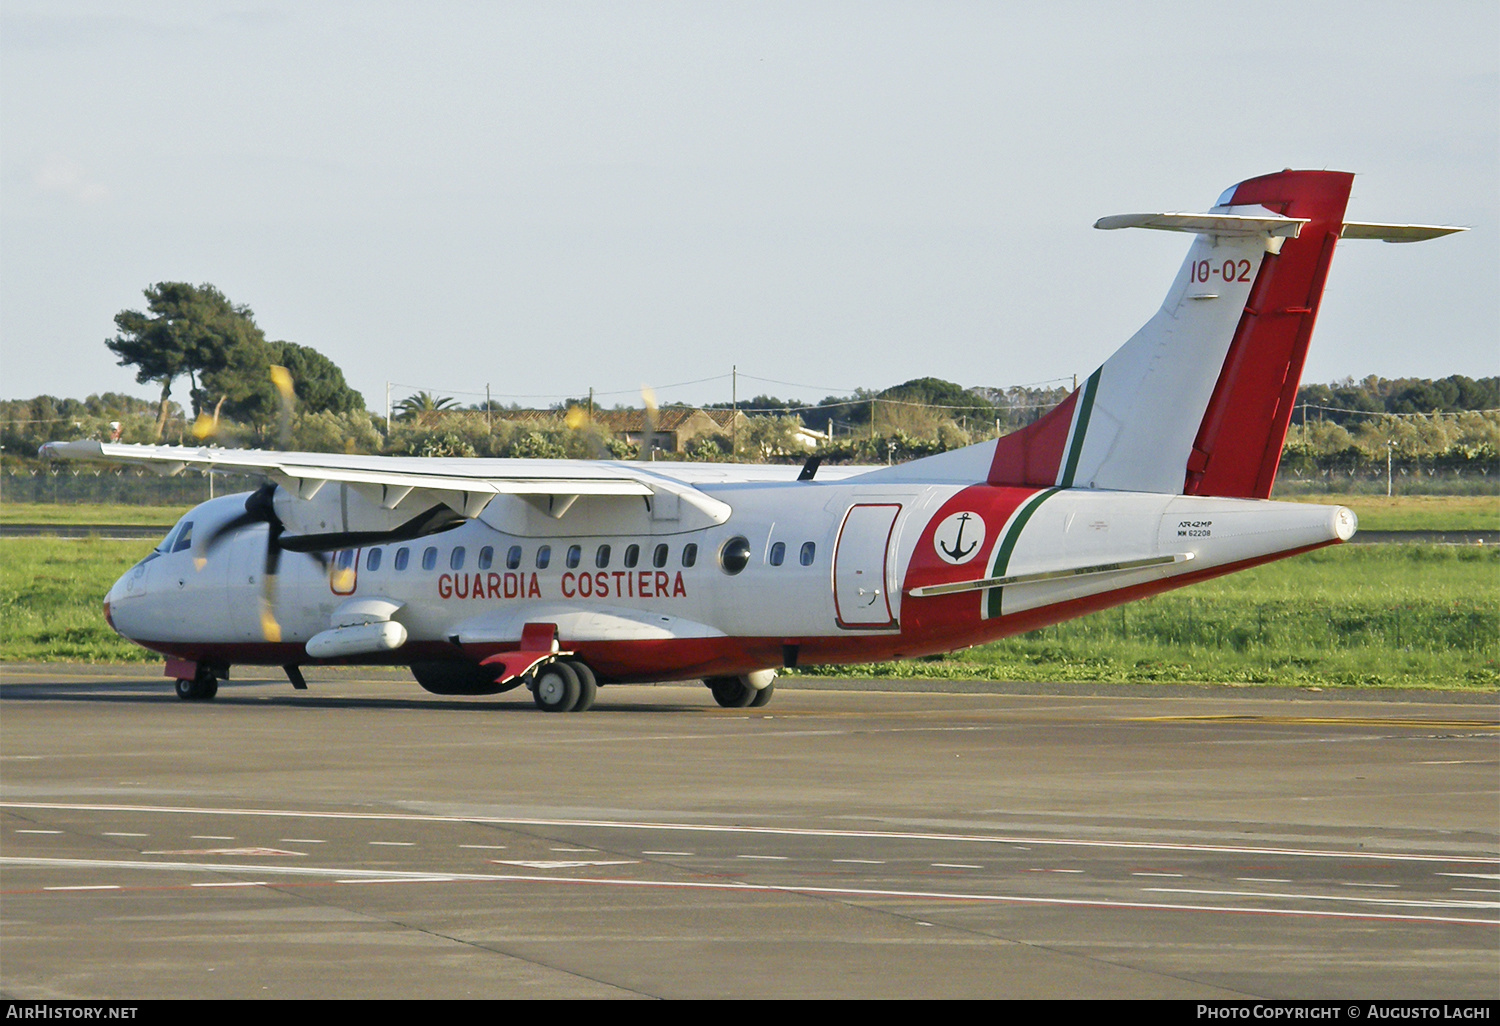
[
  {"x": 388, "y": 408},
  {"x": 734, "y": 409},
  {"x": 591, "y": 404},
  {"x": 486, "y": 405}
]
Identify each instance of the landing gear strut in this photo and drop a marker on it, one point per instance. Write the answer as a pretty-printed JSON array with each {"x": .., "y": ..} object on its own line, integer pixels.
[{"x": 564, "y": 685}]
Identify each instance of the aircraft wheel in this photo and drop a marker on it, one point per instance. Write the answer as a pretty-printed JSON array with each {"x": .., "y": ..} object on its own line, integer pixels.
[
  {"x": 556, "y": 688},
  {"x": 763, "y": 696},
  {"x": 588, "y": 687},
  {"x": 199, "y": 689},
  {"x": 731, "y": 692}
]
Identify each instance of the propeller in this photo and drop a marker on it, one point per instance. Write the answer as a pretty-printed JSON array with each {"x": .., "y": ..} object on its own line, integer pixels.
[
  {"x": 260, "y": 508},
  {"x": 282, "y": 379}
]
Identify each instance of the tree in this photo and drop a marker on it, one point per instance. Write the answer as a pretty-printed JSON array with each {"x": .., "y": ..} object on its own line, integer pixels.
[
  {"x": 424, "y": 407},
  {"x": 192, "y": 330},
  {"x": 317, "y": 380}
]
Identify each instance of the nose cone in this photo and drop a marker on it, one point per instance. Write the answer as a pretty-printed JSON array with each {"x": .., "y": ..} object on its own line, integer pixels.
[{"x": 122, "y": 604}]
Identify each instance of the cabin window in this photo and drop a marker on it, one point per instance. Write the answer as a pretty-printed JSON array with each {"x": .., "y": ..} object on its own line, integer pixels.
[
  {"x": 543, "y": 557},
  {"x": 778, "y": 554},
  {"x": 734, "y": 556},
  {"x": 601, "y": 557},
  {"x": 659, "y": 557},
  {"x": 575, "y": 556},
  {"x": 372, "y": 561},
  {"x": 456, "y": 561},
  {"x": 513, "y": 558},
  {"x": 429, "y": 557},
  {"x": 809, "y": 550},
  {"x": 486, "y": 557},
  {"x": 402, "y": 555},
  {"x": 690, "y": 554},
  {"x": 632, "y": 555},
  {"x": 185, "y": 539}
]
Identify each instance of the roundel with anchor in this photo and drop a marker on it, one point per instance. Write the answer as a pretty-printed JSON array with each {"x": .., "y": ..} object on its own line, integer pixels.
[{"x": 959, "y": 538}]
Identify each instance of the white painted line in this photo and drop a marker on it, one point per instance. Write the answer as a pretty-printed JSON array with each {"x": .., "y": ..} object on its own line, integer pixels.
[
  {"x": 210, "y": 837},
  {"x": 122, "y": 833},
  {"x": 955, "y": 865},
  {"x": 486, "y": 847},
  {"x": 1347, "y": 883},
  {"x": 85, "y": 887},
  {"x": 303, "y": 840},
  {"x": 574, "y": 849},
  {"x": 1156, "y": 874},
  {"x": 397, "y": 844},
  {"x": 767, "y": 858},
  {"x": 236, "y": 883},
  {"x": 1473, "y": 876},
  {"x": 1410, "y": 902},
  {"x": 562, "y": 863},
  {"x": 38, "y": 831},
  {"x": 772, "y": 831},
  {"x": 1260, "y": 879},
  {"x": 1478, "y": 890},
  {"x": 679, "y": 853},
  {"x": 864, "y": 862},
  {"x": 346, "y": 875},
  {"x": 1038, "y": 870}
]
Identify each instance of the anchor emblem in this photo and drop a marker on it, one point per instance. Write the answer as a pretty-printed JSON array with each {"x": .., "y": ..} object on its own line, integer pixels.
[{"x": 958, "y": 538}]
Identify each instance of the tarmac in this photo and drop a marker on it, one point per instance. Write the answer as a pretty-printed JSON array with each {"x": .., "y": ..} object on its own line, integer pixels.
[{"x": 364, "y": 839}]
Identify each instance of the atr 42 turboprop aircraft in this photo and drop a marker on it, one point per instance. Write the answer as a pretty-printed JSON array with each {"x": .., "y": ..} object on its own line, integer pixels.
[{"x": 482, "y": 575}]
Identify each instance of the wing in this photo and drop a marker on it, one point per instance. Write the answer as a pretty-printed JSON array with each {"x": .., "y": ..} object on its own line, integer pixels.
[{"x": 406, "y": 486}]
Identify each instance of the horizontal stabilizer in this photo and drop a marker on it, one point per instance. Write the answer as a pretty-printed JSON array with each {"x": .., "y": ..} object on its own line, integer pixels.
[
  {"x": 1232, "y": 226},
  {"x": 1397, "y": 232}
]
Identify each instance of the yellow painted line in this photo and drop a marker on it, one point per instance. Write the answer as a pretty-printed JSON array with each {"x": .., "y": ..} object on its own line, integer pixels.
[{"x": 1323, "y": 721}]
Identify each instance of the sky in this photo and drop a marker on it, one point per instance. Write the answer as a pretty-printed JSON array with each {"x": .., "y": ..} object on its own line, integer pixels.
[{"x": 544, "y": 198}]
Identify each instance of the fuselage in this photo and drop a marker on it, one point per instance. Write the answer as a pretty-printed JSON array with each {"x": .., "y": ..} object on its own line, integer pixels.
[{"x": 802, "y": 573}]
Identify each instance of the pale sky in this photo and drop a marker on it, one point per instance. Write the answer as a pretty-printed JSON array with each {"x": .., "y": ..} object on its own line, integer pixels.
[{"x": 551, "y": 196}]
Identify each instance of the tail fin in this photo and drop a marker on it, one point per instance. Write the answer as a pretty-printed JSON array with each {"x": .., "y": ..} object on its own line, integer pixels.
[{"x": 1199, "y": 400}]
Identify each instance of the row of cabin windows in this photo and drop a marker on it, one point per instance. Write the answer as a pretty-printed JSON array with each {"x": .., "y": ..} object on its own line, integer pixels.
[{"x": 573, "y": 558}]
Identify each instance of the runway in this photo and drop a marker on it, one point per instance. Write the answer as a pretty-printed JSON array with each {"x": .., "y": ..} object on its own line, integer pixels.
[{"x": 365, "y": 839}]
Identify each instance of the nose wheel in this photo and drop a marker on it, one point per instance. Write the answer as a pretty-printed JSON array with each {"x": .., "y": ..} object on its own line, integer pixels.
[{"x": 200, "y": 688}]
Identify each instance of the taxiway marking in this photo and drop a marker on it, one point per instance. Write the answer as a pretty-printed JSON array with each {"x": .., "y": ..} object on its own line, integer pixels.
[
  {"x": 343, "y": 875},
  {"x": 709, "y": 828}
]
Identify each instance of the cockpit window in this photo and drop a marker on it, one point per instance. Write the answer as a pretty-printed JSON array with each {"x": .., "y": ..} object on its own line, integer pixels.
[
  {"x": 184, "y": 538},
  {"x": 170, "y": 539}
]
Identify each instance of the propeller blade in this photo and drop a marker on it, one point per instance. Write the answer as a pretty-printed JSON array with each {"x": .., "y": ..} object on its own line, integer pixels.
[
  {"x": 282, "y": 379},
  {"x": 259, "y": 509},
  {"x": 269, "y": 628},
  {"x": 648, "y": 437}
]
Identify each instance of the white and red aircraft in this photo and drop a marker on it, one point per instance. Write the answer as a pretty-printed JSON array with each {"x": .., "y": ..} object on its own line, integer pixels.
[{"x": 485, "y": 574}]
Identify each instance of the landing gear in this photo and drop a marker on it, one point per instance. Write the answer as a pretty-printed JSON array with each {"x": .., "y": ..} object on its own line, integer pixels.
[
  {"x": 740, "y": 692},
  {"x": 731, "y": 692},
  {"x": 564, "y": 685},
  {"x": 203, "y": 686},
  {"x": 557, "y": 688}
]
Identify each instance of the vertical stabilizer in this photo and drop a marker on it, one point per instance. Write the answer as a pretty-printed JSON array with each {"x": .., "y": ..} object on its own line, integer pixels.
[{"x": 1198, "y": 400}]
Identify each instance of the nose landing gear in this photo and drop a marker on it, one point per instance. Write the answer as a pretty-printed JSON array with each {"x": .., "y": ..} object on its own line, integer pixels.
[{"x": 200, "y": 688}]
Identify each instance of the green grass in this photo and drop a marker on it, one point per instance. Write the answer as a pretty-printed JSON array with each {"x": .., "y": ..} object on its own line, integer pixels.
[
  {"x": 1386, "y": 615},
  {"x": 51, "y": 600},
  {"x": 83, "y": 513},
  {"x": 1415, "y": 512}
]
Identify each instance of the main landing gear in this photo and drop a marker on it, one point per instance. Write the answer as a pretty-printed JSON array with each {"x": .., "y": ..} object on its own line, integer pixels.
[
  {"x": 564, "y": 685},
  {"x": 739, "y": 692}
]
